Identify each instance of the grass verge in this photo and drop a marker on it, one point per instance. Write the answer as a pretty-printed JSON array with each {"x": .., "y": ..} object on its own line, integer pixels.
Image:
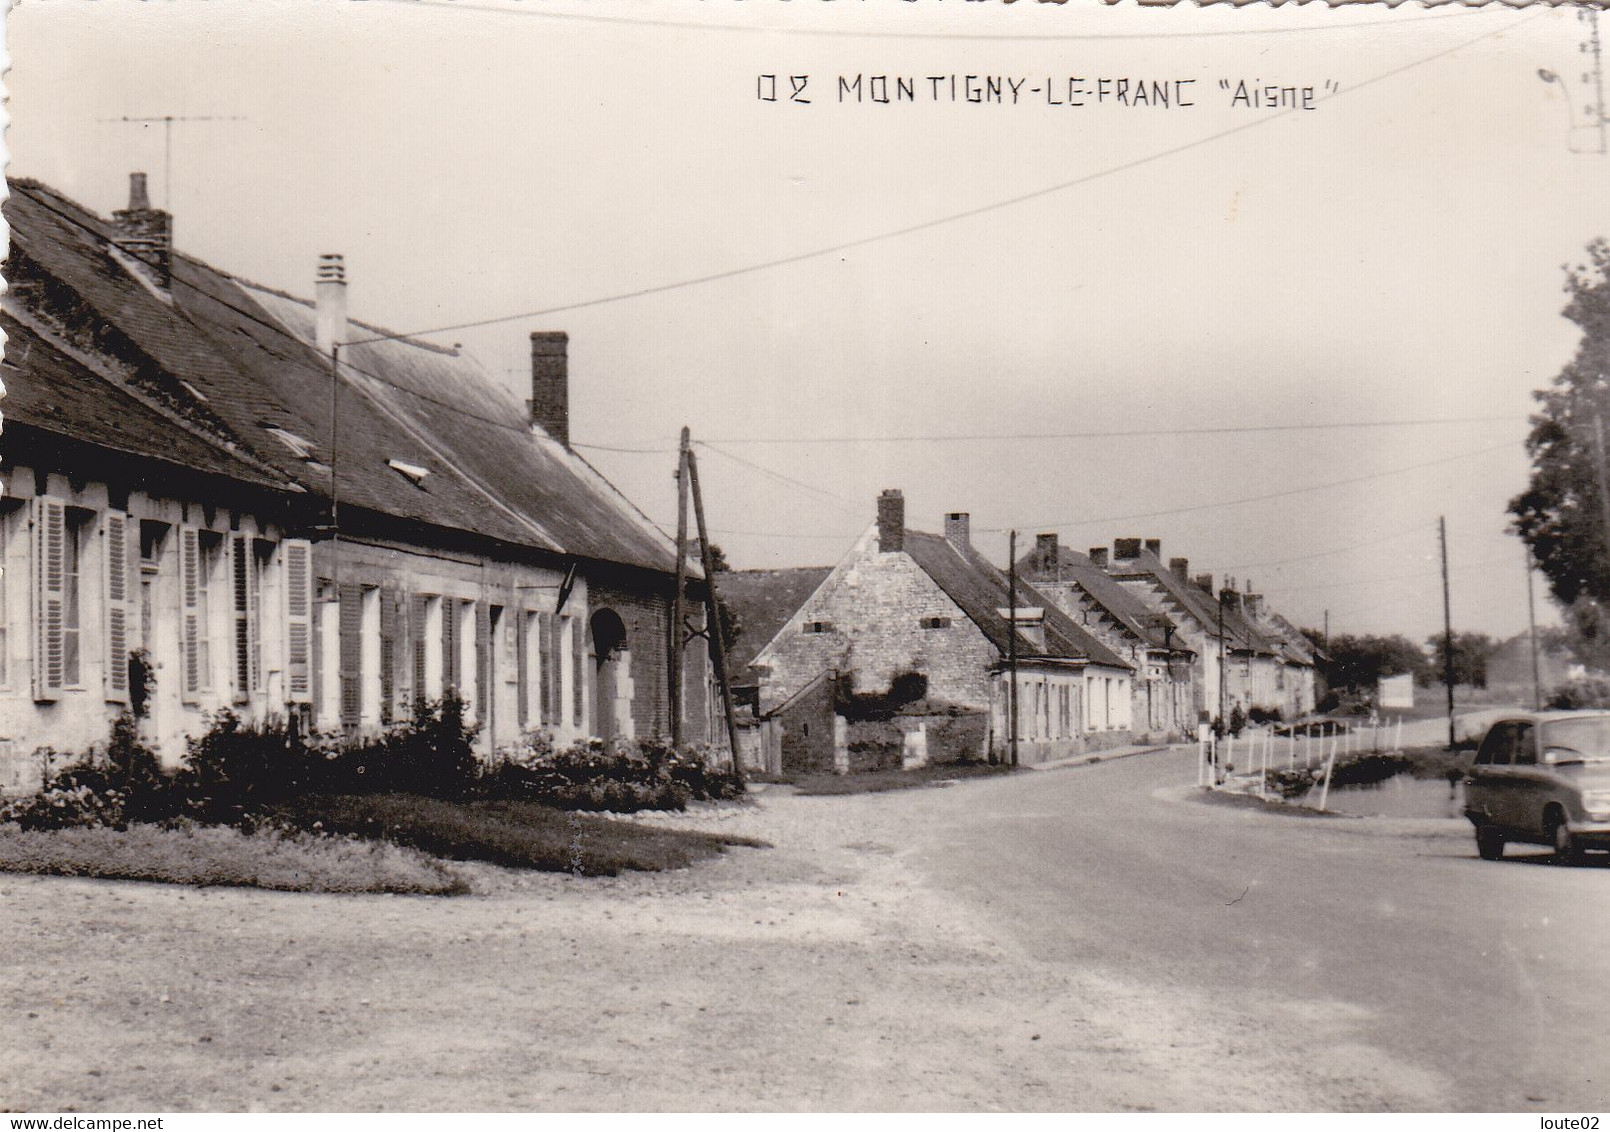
[
  {"x": 216, "y": 855},
  {"x": 524, "y": 835},
  {"x": 874, "y": 782}
]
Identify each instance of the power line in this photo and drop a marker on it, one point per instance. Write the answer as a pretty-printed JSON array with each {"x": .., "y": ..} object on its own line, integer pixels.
[
  {"x": 1113, "y": 434},
  {"x": 1256, "y": 498},
  {"x": 841, "y": 33},
  {"x": 965, "y": 214},
  {"x": 831, "y": 497},
  {"x": 1418, "y": 527}
]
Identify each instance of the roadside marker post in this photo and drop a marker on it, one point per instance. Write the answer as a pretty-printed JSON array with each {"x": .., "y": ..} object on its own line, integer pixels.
[{"x": 1324, "y": 791}]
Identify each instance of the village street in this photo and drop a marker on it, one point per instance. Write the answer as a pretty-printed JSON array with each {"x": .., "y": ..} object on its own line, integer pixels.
[{"x": 1089, "y": 938}]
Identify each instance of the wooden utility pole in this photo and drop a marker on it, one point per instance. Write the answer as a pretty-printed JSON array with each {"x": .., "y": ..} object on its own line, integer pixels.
[
  {"x": 1447, "y": 625},
  {"x": 1224, "y": 723},
  {"x": 718, "y": 647},
  {"x": 678, "y": 635},
  {"x": 1011, "y": 637},
  {"x": 1531, "y": 621},
  {"x": 1604, "y": 474}
]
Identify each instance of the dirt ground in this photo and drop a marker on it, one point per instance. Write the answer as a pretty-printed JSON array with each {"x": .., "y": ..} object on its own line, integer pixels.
[{"x": 820, "y": 974}]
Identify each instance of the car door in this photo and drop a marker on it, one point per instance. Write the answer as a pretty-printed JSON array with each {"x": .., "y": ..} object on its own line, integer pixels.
[
  {"x": 1520, "y": 806},
  {"x": 1484, "y": 784}
]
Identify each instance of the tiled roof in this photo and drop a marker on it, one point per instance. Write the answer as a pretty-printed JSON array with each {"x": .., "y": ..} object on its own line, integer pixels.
[
  {"x": 981, "y": 591},
  {"x": 763, "y": 601},
  {"x": 248, "y": 353},
  {"x": 1115, "y": 600},
  {"x": 49, "y": 391}
]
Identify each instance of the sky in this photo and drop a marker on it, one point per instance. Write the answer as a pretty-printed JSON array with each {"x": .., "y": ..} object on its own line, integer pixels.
[{"x": 1102, "y": 320}]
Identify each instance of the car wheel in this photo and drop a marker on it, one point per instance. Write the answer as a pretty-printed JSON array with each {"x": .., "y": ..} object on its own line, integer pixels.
[
  {"x": 1489, "y": 842},
  {"x": 1566, "y": 849}
]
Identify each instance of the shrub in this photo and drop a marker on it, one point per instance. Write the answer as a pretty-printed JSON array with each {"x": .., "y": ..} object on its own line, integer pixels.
[
  {"x": 859, "y": 707},
  {"x": 1262, "y": 715},
  {"x": 429, "y": 753},
  {"x": 110, "y": 787},
  {"x": 1584, "y": 692},
  {"x": 237, "y": 768},
  {"x": 650, "y": 775}
]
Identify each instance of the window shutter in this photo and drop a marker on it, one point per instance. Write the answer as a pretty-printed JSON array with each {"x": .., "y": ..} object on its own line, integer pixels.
[
  {"x": 389, "y": 617},
  {"x": 417, "y": 623},
  {"x": 449, "y": 644},
  {"x": 578, "y": 635},
  {"x": 298, "y": 620},
  {"x": 240, "y": 607},
  {"x": 483, "y": 658},
  {"x": 119, "y": 613},
  {"x": 50, "y": 566},
  {"x": 190, "y": 616},
  {"x": 351, "y": 622},
  {"x": 550, "y": 671},
  {"x": 522, "y": 707},
  {"x": 254, "y": 619}
]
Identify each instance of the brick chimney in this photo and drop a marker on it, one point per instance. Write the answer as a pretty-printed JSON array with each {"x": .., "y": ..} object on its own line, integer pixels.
[
  {"x": 959, "y": 530},
  {"x": 144, "y": 232},
  {"x": 1205, "y": 582},
  {"x": 550, "y": 383},
  {"x": 330, "y": 303},
  {"x": 1254, "y": 604},
  {"x": 1125, "y": 549},
  {"x": 1181, "y": 568},
  {"x": 891, "y": 521},
  {"x": 1047, "y": 553},
  {"x": 1154, "y": 547},
  {"x": 1098, "y": 557}
]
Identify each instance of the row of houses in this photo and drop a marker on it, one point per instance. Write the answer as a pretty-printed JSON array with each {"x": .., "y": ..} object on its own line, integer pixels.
[
  {"x": 1106, "y": 649},
  {"x": 208, "y": 506},
  {"x": 219, "y": 495}
]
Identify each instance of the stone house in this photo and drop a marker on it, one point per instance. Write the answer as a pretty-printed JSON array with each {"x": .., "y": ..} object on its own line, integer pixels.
[
  {"x": 1165, "y": 701},
  {"x": 904, "y": 601},
  {"x": 190, "y": 481},
  {"x": 1264, "y": 667}
]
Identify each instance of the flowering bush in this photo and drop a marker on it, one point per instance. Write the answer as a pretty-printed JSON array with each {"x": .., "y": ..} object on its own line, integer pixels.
[{"x": 592, "y": 775}]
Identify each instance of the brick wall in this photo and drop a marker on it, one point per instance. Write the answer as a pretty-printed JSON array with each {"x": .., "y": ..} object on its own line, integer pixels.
[{"x": 874, "y": 603}]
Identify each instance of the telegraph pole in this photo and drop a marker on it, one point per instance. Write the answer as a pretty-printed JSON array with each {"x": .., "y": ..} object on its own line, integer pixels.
[
  {"x": 678, "y": 615},
  {"x": 1447, "y": 626},
  {"x": 1531, "y": 621},
  {"x": 718, "y": 647},
  {"x": 1011, "y": 636}
]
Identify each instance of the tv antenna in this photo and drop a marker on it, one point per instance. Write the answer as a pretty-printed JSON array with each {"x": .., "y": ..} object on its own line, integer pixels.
[
  {"x": 1589, "y": 87},
  {"x": 167, "y": 121}
]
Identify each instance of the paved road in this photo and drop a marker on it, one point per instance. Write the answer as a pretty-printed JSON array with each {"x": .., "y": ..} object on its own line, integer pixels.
[{"x": 1488, "y": 984}]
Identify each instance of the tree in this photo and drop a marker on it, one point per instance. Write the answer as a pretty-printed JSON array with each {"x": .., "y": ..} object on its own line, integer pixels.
[
  {"x": 1358, "y": 662},
  {"x": 1564, "y": 513},
  {"x": 1470, "y": 653}
]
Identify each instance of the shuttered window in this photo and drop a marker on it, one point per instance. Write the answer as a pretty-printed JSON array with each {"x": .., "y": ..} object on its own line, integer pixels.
[
  {"x": 244, "y": 613},
  {"x": 390, "y": 629},
  {"x": 351, "y": 654},
  {"x": 449, "y": 644},
  {"x": 50, "y": 580},
  {"x": 531, "y": 671},
  {"x": 117, "y": 601},
  {"x": 298, "y": 559},
  {"x": 578, "y": 636},
  {"x": 192, "y": 624}
]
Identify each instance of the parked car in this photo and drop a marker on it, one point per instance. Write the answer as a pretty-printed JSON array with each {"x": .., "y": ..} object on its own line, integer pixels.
[{"x": 1542, "y": 777}]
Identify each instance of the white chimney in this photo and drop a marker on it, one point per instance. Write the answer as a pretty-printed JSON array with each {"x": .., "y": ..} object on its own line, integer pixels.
[{"x": 331, "y": 303}]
